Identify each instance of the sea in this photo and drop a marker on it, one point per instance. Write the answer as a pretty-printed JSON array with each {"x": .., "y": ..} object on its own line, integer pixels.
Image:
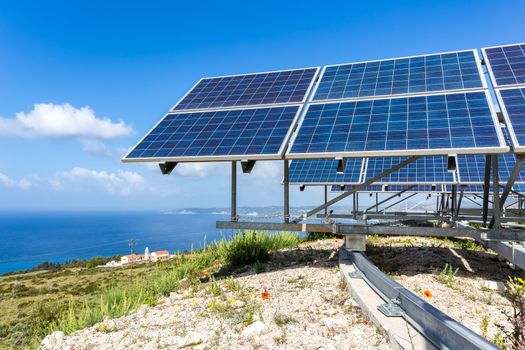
[{"x": 27, "y": 239}]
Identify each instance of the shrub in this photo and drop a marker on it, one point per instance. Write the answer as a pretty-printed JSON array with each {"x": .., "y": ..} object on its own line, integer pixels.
[
  {"x": 246, "y": 248},
  {"x": 515, "y": 292}
]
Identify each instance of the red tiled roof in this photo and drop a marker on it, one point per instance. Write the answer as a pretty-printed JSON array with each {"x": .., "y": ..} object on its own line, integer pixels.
[{"x": 161, "y": 252}]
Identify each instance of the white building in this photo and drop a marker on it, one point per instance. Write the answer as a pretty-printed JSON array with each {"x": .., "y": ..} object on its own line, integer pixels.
[
  {"x": 147, "y": 255},
  {"x": 131, "y": 258},
  {"x": 160, "y": 255}
]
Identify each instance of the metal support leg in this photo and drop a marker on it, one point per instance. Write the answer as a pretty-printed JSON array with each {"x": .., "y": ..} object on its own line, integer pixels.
[
  {"x": 353, "y": 207},
  {"x": 486, "y": 189},
  {"x": 508, "y": 187},
  {"x": 453, "y": 202},
  {"x": 234, "y": 192},
  {"x": 326, "y": 199},
  {"x": 286, "y": 193},
  {"x": 495, "y": 222},
  {"x": 461, "y": 192}
]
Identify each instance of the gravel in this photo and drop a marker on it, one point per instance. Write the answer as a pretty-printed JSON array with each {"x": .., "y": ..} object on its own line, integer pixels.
[{"x": 307, "y": 307}]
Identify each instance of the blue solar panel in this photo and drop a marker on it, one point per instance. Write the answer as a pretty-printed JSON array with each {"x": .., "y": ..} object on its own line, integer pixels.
[
  {"x": 225, "y": 134},
  {"x": 506, "y": 64},
  {"x": 288, "y": 86},
  {"x": 422, "y": 74},
  {"x": 513, "y": 101},
  {"x": 398, "y": 126},
  {"x": 471, "y": 168},
  {"x": 323, "y": 171},
  {"x": 433, "y": 170}
]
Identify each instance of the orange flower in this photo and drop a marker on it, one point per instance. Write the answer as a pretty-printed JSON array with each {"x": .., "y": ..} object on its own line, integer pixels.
[
  {"x": 205, "y": 273},
  {"x": 265, "y": 295},
  {"x": 428, "y": 293}
]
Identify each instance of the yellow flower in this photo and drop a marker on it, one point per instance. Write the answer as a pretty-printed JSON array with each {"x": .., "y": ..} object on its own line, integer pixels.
[
  {"x": 232, "y": 301},
  {"x": 194, "y": 302},
  {"x": 520, "y": 280},
  {"x": 250, "y": 295}
]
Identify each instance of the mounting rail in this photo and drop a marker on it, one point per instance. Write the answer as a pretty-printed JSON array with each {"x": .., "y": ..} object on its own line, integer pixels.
[{"x": 440, "y": 329}]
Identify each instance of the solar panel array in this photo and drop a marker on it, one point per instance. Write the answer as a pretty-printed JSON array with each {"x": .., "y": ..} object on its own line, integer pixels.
[
  {"x": 426, "y": 124},
  {"x": 506, "y": 64},
  {"x": 227, "y": 118},
  {"x": 402, "y": 76},
  {"x": 288, "y": 86},
  {"x": 432, "y": 105},
  {"x": 323, "y": 171}
]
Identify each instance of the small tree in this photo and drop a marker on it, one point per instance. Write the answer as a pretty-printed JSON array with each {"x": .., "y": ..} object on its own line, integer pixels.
[{"x": 516, "y": 294}]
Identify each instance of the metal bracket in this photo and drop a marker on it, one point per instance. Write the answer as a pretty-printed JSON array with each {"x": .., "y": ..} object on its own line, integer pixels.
[
  {"x": 392, "y": 308},
  {"x": 356, "y": 274}
]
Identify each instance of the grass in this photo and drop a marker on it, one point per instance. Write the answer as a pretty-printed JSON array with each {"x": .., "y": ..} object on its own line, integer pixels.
[
  {"x": 34, "y": 305},
  {"x": 282, "y": 320},
  {"x": 447, "y": 275}
]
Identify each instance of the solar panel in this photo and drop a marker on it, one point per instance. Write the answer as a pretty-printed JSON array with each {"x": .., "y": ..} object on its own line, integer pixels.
[
  {"x": 431, "y": 170},
  {"x": 506, "y": 64},
  {"x": 323, "y": 171},
  {"x": 471, "y": 168},
  {"x": 289, "y": 86},
  {"x": 256, "y": 133},
  {"x": 512, "y": 102},
  {"x": 425, "y": 125},
  {"x": 412, "y": 75}
]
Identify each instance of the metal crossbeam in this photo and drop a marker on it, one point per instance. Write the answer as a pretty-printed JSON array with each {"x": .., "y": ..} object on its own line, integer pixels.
[
  {"x": 360, "y": 186},
  {"x": 389, "y": 198},
  {"x": 399, "y": 201}
]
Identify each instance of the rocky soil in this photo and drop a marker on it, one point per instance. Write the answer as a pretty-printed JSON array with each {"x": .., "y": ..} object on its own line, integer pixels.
[
  {"x": 474, "y": 295},
  {"x": 299, "y": 302}
]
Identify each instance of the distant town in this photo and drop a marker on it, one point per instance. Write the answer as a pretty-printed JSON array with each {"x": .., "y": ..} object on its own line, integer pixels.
[{"x": 133, "y": 258}]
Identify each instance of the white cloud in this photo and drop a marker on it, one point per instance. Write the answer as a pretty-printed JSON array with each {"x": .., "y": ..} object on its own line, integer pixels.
[
  {"x": 195, "y": 169},
  {"x": 62, "y": 121},
  {"x": 6, "y": 181},
  {"x": 120, "y": 183},
  {"x": 268, "y": 171}
]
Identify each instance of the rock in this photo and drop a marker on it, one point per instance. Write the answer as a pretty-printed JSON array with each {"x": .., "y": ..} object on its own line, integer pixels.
[
  {"x": 53, "y": 340},
  {"x": 253, "y": 329},
  {"x": 494, "y": 285},
  {"x": 192, "y": 338}
]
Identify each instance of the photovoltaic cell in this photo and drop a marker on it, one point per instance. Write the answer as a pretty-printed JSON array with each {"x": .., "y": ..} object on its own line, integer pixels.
[
  {"x": 471, "y": 168},
  {"x": 430, "y": 169},
  {"x": 288, "y": 86},
  {"x": 507, "y": 64},
  {"x": 225, "y": 133},
  {"x": 323, "y": 171},
  {"x": 422, "y": 74},
  {"x": 390, "y": 126},
  {"x": 514, "y": 105}
]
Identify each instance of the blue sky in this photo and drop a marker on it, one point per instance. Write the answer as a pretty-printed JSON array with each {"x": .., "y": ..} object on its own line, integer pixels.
[{"x": 129, "y": 62}]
